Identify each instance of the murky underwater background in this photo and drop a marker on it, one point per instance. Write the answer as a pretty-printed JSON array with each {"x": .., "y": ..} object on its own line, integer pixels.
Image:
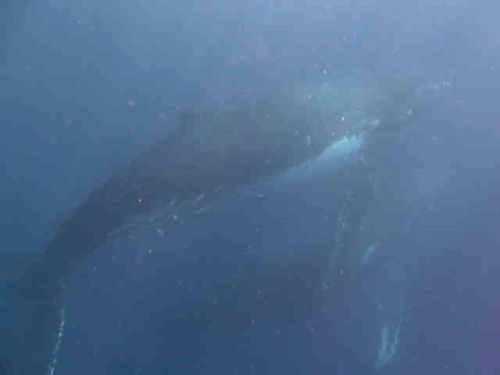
[{"x": 86, "y": 86}]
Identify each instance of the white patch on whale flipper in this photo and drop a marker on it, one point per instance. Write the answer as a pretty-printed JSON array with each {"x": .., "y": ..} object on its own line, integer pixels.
[
  {"x": 335, "y": 156},
  {"x": 389, "y": 342},
  {"x": 54, "y": 356},
  {"x": 368, "y": 254}
]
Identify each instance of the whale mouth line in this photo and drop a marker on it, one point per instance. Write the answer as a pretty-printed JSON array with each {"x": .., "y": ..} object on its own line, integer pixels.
[{"x": 174, "y": 213}]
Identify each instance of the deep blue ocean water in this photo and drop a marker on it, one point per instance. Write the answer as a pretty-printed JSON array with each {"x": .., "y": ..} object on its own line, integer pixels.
[{"x": 84, "y": 87}]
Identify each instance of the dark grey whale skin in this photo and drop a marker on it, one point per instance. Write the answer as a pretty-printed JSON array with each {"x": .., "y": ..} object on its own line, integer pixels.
[{"x": 209, "y": 149}]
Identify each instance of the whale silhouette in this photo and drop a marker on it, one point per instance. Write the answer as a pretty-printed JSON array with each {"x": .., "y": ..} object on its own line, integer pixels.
[{"x": 208, "y": 153}]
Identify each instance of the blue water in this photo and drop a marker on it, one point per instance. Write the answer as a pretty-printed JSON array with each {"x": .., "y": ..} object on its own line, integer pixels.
[{"x": 87, "y": 86}]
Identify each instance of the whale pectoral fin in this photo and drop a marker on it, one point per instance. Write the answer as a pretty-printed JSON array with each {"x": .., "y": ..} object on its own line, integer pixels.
[{"x": 38, "y": 327}]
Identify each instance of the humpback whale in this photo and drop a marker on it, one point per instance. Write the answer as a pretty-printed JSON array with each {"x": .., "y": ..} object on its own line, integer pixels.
[{"x": 208, "y": 153}]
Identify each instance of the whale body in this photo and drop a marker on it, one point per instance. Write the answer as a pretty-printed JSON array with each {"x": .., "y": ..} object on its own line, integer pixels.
[{"x": 208, "y": 153}]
